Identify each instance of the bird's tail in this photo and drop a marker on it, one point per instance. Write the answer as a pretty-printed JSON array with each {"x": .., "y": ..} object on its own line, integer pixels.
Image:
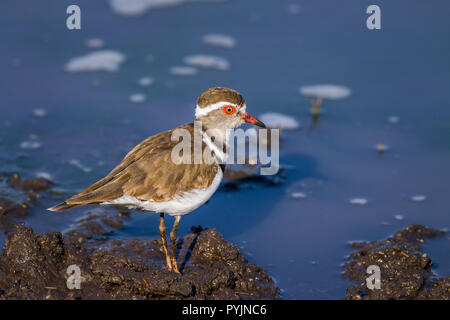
[{"x": 63, "y": 206}]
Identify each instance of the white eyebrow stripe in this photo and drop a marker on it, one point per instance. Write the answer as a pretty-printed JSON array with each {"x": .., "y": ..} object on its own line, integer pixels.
[{"x": 200, "y": 112}]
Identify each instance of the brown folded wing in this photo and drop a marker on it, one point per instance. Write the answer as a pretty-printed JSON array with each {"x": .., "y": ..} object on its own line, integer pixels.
[{"x": 147, "y": 173}]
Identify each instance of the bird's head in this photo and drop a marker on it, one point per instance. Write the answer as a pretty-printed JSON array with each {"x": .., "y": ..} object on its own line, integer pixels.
[{"x": 223, "y": 108}]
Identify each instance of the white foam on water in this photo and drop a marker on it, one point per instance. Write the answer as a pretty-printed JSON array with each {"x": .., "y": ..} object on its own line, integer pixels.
[
  {"x": 183, "y": 71},
  {"x": 399, "y": 217},
  {"x": 30, "y": 145},
  {"x": 359, "y": 201},
  {"x": 393, "y": 119},
  {"x": 419, "y": 198},
  {"x": 138, "y": 97},
  {"x": 44, "y": 175},
  {"x": 95, "y": 43},
  {"x": 298, "y": 195},
  {"x": 137, "y": 7},
  {"x": 145, "y": 81},
  {"x": 219, "y": 40},
  {"x": 104, "y": 60},
  {"x": 325, "y": 91},
  {"x": 279, "y": 120},
  {"x": 207, "y": 61},
  {"x": 39, "y": 113},
  {"x": 76, "y": 163}
]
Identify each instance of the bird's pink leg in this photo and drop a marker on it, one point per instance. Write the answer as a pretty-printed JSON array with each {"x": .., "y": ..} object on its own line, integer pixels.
[
  {"x": 173, "y": 240},
  {"x": 162, "y": 233}
]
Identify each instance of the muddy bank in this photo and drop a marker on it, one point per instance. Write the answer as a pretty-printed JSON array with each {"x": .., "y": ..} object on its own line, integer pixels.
[
  {"x": 405, "y": 270},
  {"x": 34, "y": 267}
]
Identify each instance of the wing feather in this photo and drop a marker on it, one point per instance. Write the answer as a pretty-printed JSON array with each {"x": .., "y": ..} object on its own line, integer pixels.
[{"x": 147, "y": 173}]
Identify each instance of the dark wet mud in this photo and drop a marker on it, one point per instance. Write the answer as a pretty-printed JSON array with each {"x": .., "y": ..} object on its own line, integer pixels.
[
  {"x": 405, "y": 270},
  {"x": 35, "y": 266}
]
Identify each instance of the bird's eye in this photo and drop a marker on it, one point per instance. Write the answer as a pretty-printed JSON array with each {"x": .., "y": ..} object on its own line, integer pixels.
[{"x": 229, "y": 110}]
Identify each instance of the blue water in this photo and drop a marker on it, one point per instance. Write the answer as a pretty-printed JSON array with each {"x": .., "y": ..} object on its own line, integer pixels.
[{"x": 401, "y": 70}]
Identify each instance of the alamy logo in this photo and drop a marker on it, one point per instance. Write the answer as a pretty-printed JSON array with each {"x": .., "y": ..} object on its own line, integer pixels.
[
  {"x": 74, "y": 280},
  {"x": 374, "y": 20},
  {"x": 74, "y": 20},
  {"x": 227, "y": 148},
  {"x": 374, "y": 280}
]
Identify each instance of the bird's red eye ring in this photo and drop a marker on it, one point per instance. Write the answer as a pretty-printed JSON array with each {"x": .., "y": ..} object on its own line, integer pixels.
[{"x": 229, "y": 110}]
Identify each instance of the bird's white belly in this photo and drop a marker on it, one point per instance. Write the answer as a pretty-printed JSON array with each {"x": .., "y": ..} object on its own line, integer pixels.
[{"x": 181, "y": 205}]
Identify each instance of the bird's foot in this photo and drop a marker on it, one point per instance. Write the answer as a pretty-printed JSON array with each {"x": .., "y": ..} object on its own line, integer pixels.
[
  {"x": 169, "y": 264},
  {"x": 175, "y": 266}
]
